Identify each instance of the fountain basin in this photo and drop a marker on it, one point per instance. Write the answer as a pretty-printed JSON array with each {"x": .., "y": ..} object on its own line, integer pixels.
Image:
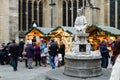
[
  {"x": 57, "y": 74},
  {"x": 83, "y": 66}
]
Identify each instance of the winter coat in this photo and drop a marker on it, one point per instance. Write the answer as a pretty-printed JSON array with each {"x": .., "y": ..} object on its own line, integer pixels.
[
  {"x": 29, "y": 50},
  {"x": 21, "y": 46},
  {"x": 43, "y": 46},
  {"x": 13, "y": 49},
  {"x": 104, "y": 51},
  {"x": 37, "y": 50},
  {"x": 62, "y": 49},
  {"x": 53, "y": 49}
]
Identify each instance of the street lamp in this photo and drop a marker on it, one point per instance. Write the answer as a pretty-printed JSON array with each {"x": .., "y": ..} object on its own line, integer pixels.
[
  {"x": 52, "y": 4},
  {"x": 94, "y": 7}
]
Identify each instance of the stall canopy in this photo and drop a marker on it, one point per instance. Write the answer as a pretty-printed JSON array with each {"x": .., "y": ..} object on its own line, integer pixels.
[
  {"x": 107, "y": 29},
  {"x": 62, "y": 31},
  {"x": 41, "y": 30},
  {"x": 47, "y": 31}
]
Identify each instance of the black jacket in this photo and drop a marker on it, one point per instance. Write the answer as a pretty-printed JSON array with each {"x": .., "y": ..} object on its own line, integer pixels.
[
  {"x": 53, "y": 49},
  {"x": 13, "y": 49}
]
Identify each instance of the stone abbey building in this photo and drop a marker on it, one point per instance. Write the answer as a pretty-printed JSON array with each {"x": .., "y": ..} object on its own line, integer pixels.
[{"x": 17, "y": 16}]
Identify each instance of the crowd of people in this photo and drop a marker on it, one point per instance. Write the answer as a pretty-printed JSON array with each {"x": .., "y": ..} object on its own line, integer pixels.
[
  {"x": 107, "y": 53},
  {"x": 114, "y": 57},
  {"x": 40, "y": 52},
  {"x": 32, "y": 51}
]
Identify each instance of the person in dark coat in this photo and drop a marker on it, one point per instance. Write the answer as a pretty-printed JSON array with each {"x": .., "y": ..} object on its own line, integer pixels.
[
  {"x": 53, "y": 51},
  {"x": 21, "y": 47},
  {"x": 37, "y": 54},
  {"x": 2, "y": 55},
  {"x": 7, "y": 56},
  {"x": 29, "y": 49},
  {"x": 62, "y": 51},
  {"x": 104, "y": 53},
  {"x": 34, "y": 40},
  {"x": 13, "y": 50}
]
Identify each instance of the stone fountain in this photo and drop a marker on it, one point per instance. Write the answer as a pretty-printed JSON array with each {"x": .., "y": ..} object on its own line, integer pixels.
[{"x": 80, "y": 62}]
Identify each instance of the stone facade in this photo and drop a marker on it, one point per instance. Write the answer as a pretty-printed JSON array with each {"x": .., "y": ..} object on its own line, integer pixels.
[
  {"x": 4, "y": 21},
  {"x": 13, "y": 19},
  {"x": 8, "y": 20},
  {"x": 9, "y": 15}
]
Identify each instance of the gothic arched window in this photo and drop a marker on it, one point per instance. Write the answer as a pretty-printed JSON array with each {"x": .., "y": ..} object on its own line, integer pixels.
[
  {"x": 112, "y": 13},
  {"x": 19, "y": 15},
  {"x": 118, "y": 16},
  {"x": 24, "y": 15},
  {"x": 40, "y": 14},
  {"x": 29, "y": 14},
  {"x": 74, "y": 10},
  {"x": 69, "y": 13},
  {"x": 35, "y": 11},
  {"x": 80, "y": 3},
  {"x": 64, "y": 13}
]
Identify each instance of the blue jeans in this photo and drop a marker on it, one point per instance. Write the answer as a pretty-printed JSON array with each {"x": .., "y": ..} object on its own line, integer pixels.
[
  {"x": 104, "y": 62},
  {"x": 14, "y": 62},
  {"x": 51, "y": 58}
]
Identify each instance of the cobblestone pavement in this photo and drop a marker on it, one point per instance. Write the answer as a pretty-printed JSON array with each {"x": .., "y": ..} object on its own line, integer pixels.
[{"x": 37, "y": 73}]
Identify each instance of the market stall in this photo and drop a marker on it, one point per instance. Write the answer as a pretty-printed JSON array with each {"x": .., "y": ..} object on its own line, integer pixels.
[
  {"x": 97, "y": 33},
  {"x": 38, "y": 32},
  {"x": 64, "y": 34},
  {"x": 61, "y": 34}
]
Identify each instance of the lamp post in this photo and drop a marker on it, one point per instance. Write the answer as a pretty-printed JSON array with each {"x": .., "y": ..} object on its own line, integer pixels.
[
  {"x": 51, "y": 5},
  {"x": 94, "y": 7}
]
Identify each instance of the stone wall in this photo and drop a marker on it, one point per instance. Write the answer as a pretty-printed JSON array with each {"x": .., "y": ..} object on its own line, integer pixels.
[
  {"x": 13, "y": 19},
  {"x": 9, "y": 16},
  {"x": 4, "y": 21}
]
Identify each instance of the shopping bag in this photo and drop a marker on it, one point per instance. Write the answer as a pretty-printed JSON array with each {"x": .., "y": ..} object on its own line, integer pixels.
[
  {"x": 43, "y": 54},
  {"x": 60, "y": 57},
  {"x": 56, "y": 60},
  {"x": 23, "y": 53},
  {"x": 46, "y": 50}
]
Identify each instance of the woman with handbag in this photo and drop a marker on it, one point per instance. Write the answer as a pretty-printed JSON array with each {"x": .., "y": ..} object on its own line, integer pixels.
[{"x": 44, "y": 51}]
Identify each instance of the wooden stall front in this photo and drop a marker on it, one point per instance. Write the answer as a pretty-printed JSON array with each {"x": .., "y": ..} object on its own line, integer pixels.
[
  {"x": 97, "y": 33},
  {"x": 58, "y": 33},
  {"x": 61, "y": 35}
]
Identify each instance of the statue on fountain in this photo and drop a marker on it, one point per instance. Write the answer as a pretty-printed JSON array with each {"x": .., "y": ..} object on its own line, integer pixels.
[{"x": 80, "y": 22}]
